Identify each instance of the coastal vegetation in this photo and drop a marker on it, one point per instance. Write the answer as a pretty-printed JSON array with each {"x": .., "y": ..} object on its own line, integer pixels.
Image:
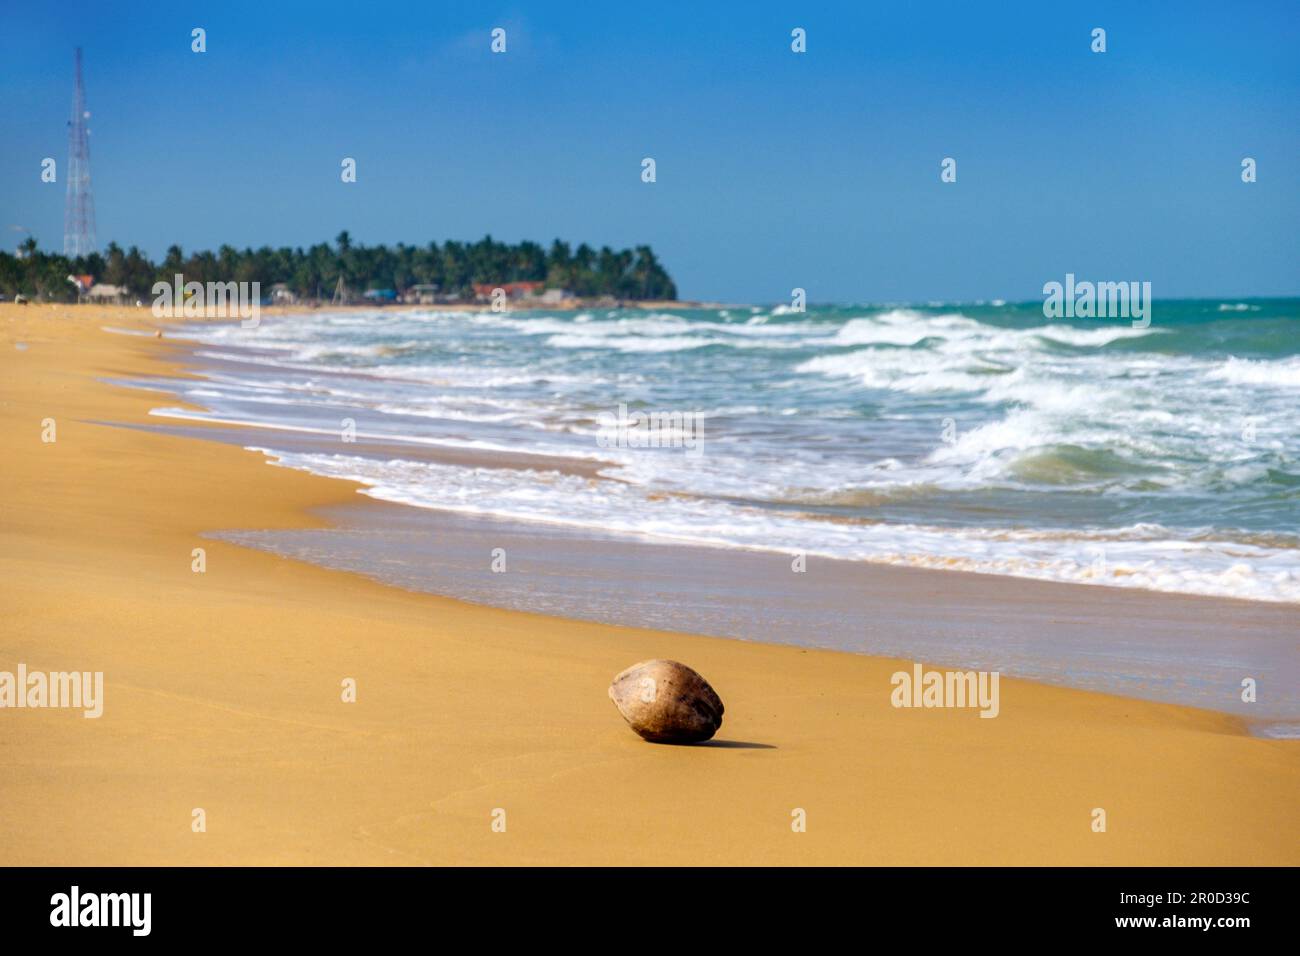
[{"x": 313, "y": 273}]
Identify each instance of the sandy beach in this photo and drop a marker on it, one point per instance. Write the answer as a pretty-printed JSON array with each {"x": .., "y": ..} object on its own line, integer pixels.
[{"x": 223, "y": 692}]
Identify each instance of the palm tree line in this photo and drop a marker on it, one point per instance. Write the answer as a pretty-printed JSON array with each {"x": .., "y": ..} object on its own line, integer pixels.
[{"x": 313, "y": 273}]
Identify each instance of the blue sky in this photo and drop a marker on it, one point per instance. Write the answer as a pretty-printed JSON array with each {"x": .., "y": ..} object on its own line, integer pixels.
[{"x": 775, "y": 169}]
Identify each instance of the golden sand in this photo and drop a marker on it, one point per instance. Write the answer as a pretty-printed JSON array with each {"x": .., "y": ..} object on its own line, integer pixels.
[{"x": 223, "y": 692}]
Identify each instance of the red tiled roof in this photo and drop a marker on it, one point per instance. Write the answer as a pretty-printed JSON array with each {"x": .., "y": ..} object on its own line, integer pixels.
[{"x": 510, "y": 288}]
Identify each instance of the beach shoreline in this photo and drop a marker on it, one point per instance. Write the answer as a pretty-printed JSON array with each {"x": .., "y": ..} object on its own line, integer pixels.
[
  {"x": 980, "y": 439},
  {"x": 222, "y": 693},
  {"x": 1193, "y": 649}
]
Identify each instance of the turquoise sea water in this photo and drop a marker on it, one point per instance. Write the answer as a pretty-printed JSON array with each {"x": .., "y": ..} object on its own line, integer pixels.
[{"x": 978, "y": 436}]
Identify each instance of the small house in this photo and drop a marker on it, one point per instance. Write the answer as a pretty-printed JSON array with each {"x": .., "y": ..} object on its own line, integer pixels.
[
  {"x": 423, "y": 294},
  {"x": 113, "y": 294}
]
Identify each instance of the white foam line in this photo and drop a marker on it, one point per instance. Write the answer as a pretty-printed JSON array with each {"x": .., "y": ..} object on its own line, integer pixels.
[{"x": 184, "y": 415}]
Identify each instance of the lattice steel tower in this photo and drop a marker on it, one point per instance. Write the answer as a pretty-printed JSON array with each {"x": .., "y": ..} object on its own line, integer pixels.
[{"x": 79, "y": 210}]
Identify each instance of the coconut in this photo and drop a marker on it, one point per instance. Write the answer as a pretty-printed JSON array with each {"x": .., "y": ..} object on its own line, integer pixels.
[{"x": 667, "y": 702}]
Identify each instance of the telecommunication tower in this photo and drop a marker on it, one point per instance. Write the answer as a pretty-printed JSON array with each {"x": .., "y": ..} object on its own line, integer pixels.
[{"x": 79, "y": 209}]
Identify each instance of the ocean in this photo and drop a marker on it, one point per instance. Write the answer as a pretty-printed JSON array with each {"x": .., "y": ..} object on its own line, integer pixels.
[{"x": 972, "y": 436}]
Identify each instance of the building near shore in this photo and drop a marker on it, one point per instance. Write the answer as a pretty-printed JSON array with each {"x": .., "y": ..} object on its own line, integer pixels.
[
  {"x": 281, "y": 294},
  {"x": 102, "y": 292},
  {"x": 513, "y": 290},
  {"x": 425, "y": 293}
]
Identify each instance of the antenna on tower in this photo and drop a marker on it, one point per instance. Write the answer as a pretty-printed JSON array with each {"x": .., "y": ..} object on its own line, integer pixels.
[{"x": 79, "y": 209}]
